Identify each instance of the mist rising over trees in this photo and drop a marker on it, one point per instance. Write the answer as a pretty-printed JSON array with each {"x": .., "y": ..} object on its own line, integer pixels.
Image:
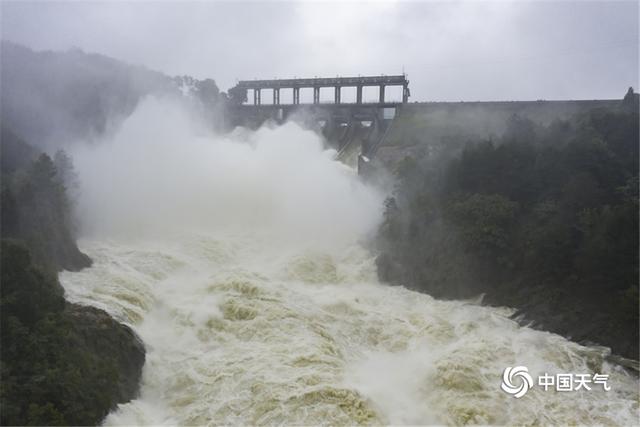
[
  {"x": 56, "y": 99},
  {"x": 543, "y": 218}
]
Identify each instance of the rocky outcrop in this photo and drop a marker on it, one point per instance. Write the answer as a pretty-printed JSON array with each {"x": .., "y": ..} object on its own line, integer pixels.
[
  {"x": 115, "y": 343},
  {"x": 62, "y": 364}
]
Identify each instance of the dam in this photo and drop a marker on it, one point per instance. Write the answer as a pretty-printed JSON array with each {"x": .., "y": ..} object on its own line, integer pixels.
[{"x": 363, "y": 129}]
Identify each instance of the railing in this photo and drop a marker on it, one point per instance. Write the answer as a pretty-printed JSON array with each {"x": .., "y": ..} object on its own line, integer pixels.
[
  {"x": 390, "y": 104},
  {"x": 400, "y": 80}
]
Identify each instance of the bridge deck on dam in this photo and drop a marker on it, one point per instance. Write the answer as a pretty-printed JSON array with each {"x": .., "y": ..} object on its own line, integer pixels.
[
  {"x": 239, "y": 92},
  {"x": 323, "y": 105}
]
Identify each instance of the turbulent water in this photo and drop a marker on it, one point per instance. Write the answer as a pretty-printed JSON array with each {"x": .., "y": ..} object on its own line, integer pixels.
[
  {"x": 249, "y": 321},
  {"x": 239, "y": 333}
]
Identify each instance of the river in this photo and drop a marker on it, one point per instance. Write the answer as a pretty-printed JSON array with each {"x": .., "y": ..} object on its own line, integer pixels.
[{"x": 263, "y": 306}]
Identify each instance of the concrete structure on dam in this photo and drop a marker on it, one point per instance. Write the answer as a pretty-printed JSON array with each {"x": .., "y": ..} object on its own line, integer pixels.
[
  {"x": 344, "y": 124},
  {"x": 240, "y": 91},
  {"x": 382, "y": 129}
]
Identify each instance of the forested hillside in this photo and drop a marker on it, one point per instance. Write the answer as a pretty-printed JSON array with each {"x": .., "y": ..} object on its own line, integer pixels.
[
  {"x": 53, "y": 99},
  {"x": 543, "y": 218},
  {"x": 49, "y": 98},
  {"x": 35, "y": 204},
  {"x": 62, "y": 364}
]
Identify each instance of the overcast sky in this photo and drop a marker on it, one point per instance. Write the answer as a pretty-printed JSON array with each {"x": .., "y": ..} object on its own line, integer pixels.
[{"x": 450, "y": 50}]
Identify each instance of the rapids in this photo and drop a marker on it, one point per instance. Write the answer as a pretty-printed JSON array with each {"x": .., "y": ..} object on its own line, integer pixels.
[
  {"x": 240, "y": 264},
  {"x": 239, "y": 333}
]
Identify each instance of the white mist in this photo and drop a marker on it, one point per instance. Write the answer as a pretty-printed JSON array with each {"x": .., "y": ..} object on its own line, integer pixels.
[{"x": 237, "y": 261}]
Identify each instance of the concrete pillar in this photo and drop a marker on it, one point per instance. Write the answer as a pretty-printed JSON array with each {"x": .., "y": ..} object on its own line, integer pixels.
[
  {"x": 336, "y": 97},
  {"x": 316, "y": 95},
  {"x": 296, "y": 95},
  {"x": 381, "y": 94},
  {"x": 255, "y": 97},
  {"x": 405, "y": 94},
  {"x": 276, "y": 96},
  {"x": 359, "y": 95}
]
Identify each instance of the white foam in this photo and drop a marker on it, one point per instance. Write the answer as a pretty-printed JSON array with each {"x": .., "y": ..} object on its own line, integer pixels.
[{"x": 208, "y": 248}]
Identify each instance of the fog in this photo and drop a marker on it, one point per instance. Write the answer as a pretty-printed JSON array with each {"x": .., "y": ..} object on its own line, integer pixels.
[
  {"x": 162, "y": 171},
  {"x": 177, "y": 258},
  {"x": 453, "y": 50}
]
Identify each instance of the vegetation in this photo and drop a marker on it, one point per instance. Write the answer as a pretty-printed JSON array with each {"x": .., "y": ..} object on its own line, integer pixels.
[
  {"x": 35, "y": 205},
  {"x": 61, "y": 364},
  {"x": 52, "y": 99},
  {"x": 542, "y": 218}
]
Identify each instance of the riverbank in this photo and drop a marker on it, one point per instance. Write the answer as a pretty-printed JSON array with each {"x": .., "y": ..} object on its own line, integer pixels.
[
  {"x": 62, "y": 363},
  {"x": 539, "y": 216}
]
